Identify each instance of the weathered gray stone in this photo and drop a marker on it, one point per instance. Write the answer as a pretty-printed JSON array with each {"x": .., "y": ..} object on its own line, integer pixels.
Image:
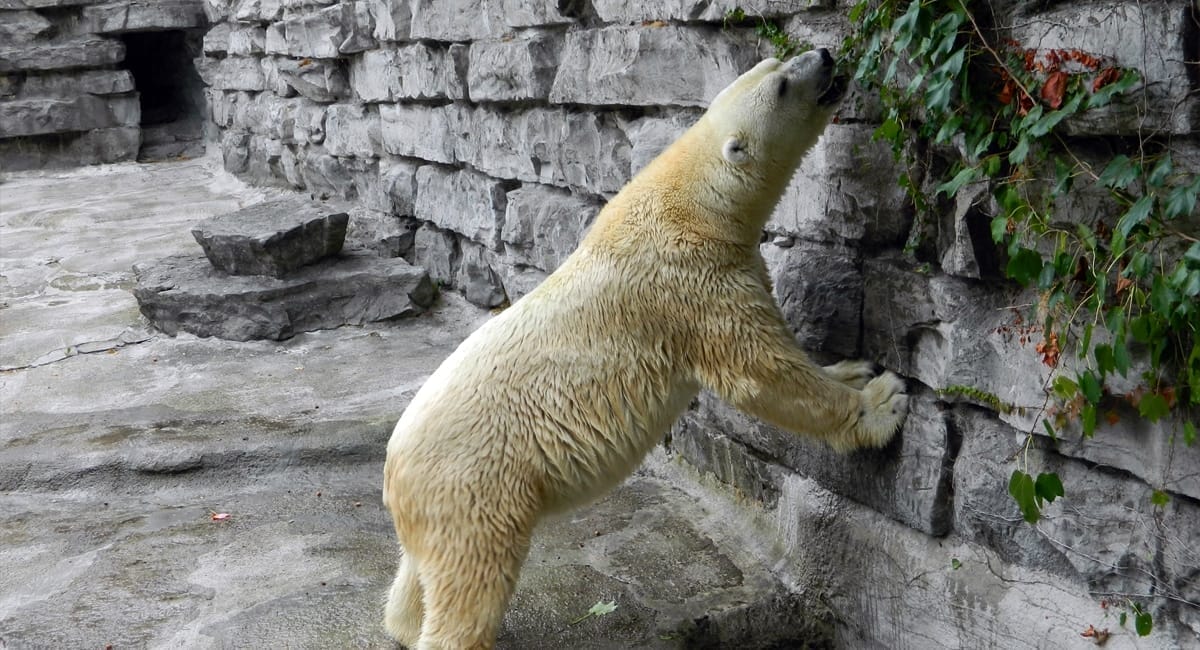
[
  {"x": 258, "y": 159},
  {"x": 533, "y": 13},
  {"x": 143, "y": 15},
  {"x": 72, "y": 84},
  {"x": 477, "y": 280},
  {"x": 258, "y": 11},
  {"x": 967, "y": 236},
  {"x": 118, "y": 144},
  {"x": 232, "y": 73},
  {"x": 273, "y": 238},
  {"x": 14, "y": 5},
  {"x": 845, "y": 190},
  {"x": 638, "y": 11},
  {"x": 184, "y": 294},
  {"x": 640, "y": 66},
  {"x": 543, "y": 225},
  {"x": 518, "y": 278},
  {"x": 325, "y": 34},
  {"x": 650, "y": 136},
  {"x": 382, "y": 233},
  {"x": 419, "y": 131},
  {"x": 326, "y": 176},
  {"x": 321, "y": 80},
  {"x": 217, "y": 11},
  {"x": 216, "y": 40},
  {"x": 247, "y": 40},
  {"x": 819, "y": 288},
  {"x": 23, "y": 26},
  {"x": 89, "y": 52},
  {"x": 393, "y": 19},
  {"x": 437, "y": 252},
  {"x": 352, "y": 130},
  {"x": 463, "y": 201},
  {"x": 586, "y": 151},
  {"x": 1149, "y": 37},
  {"x": 518, "y": 69},
  {"x": 398, "y": 182},
  {"x": 82, "y": 113},
  {"x": 417, "y": 71},
  {"x": 452, "y": 20},
  {"x": 909, "y": 481}
]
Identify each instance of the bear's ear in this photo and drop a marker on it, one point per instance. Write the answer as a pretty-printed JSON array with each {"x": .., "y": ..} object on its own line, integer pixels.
[{"x": 734, "y": 151}]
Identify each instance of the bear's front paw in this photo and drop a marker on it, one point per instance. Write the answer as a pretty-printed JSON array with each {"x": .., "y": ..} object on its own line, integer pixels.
[
  {"x": 854, "y": 374},
  {"x": 884, "y": 407}
]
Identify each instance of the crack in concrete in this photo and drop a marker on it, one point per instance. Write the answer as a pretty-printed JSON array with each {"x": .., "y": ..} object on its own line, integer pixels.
[{"x": 126, "y": 338}]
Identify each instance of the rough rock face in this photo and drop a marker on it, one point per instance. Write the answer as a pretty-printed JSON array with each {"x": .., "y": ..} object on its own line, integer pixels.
[
  {"x": 485, "y": 136},
  {"x": 67, "y": 95},
  {"x": 186, "y": 294},
  {"x": 272, "y": 238}
]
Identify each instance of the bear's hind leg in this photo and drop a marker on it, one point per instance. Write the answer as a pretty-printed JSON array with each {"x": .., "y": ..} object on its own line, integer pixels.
[{"x": 404, "y": 610}]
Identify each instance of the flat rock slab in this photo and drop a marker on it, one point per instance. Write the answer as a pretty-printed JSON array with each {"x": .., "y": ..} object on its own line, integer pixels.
[
  {"x": 273, "y": 238},
  {"x": 184, "y": 293}
]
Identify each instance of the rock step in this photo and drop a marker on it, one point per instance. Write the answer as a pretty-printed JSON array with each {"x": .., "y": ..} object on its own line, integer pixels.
[
  {"x": 272, "y": 238},
  {"x": 185, "y": 293}
]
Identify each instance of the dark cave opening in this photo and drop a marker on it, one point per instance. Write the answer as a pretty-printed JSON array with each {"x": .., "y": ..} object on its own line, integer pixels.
[{"x": 172, "y": 94}]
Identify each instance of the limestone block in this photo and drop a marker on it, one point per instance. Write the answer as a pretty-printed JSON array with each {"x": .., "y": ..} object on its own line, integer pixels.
[
  {"x": 145, "y": 15},
  {"x": 420, "y": 131},
  {"x": 417, "y": 71},
  {"x": 24, "y": 117},
  {"x": 393, "y": 19},
  {"x": 437, "y": 252},
  {"x": 326, "y": 176},
  {"x": 1150, "y": 37},
  {"x": 258, "y": 11},
  {"x": 452, "y": 20},
  {"x": 339, "y": 29},
  {"x": 909, "y": 481},
  {"x": 14, "y": 5},
  {"x": 965, "y": 241},
  {"x": 231, "y": 73},
  {"x": 88, "y": 52},
  {"x": 466, "y": 202},
  {"x": 641, "y": 66},
  {"x": 382, "y": 233},
  {"x": 247, "y": 40},
  {"x": 276, "y": 82},
  {"x": 845, "y": 190},
  {"x": 398, "y": 182},
  {"x": 273, "y": 238},
  {"x": 217, "y": 11},
  {"x": 117, "y": 144},
  {"x": 352, "y": 130},
  {"x": 321, "y": 80},
  {"x": 638, "y": 11},
  {"x": 184, "y": 293},
  {"x": 518, "y": 278},
  {"x": 820, "y": 290},
  {"x": 586, "y": 151},
  {"x": 543, "y": 225},
  {"x": 475, "y": 278},
  {"x": 513, "y": 70},
  {"x": 71, "y": 84},
  {"x": 216, "y": 40},
  {"x": 534, "y": 13},
  {"x": 1098, "y": 532},
  {"x": 650, "y": 136},
  {"x": 23, "y": 26}
]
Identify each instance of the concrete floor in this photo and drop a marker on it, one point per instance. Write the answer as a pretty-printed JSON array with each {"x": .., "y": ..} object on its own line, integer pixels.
[{"x": 119, "y": 444}]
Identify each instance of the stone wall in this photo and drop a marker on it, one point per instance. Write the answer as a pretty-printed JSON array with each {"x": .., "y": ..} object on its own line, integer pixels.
[
  {"x": 479, "y": 137},
  {"x": 75, "y": 77}
]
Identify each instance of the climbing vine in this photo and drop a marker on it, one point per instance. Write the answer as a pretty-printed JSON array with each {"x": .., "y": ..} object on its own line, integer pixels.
[{"x": 1119, "y": 285}]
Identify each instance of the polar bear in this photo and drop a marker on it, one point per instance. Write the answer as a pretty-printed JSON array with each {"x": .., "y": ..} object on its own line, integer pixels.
[{"x": 561, "y": 396}]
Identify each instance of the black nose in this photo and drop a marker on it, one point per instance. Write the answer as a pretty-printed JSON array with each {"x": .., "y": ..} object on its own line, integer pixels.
[{"x": 826, "y": 58}]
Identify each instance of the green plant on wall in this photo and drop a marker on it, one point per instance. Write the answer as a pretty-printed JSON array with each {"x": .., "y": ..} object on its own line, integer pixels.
[{"x": 1123, "y": 294}]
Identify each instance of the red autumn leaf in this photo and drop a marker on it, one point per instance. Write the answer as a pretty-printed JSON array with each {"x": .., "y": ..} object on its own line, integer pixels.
[
  {"x": 1123, "y": 284},
  {"x": 1056, "y": 85},
  {"x": 1168, "y": 394},
  {"x": 1089, "y": 632},
  {"x": 220, "y": 516},
  {"x": 1030, "y": 56},
  {"x": 1112, "y": 417},
  {"x": 1006, "y": 93},
  {"x": 1106, "y": 76},
  {"x": 1049, "y": 350}
]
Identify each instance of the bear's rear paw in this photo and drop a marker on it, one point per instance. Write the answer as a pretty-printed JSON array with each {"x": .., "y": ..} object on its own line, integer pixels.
[
  {"x": 884, "y": 407},
  {"x": 854, "y": 374}
]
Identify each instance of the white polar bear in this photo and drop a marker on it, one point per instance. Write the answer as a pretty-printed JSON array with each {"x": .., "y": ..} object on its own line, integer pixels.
[{"x": 560, "y": 397}]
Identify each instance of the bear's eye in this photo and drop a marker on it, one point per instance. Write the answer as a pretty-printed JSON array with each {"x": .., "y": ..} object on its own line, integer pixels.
[{"x": 783, "y": 84}]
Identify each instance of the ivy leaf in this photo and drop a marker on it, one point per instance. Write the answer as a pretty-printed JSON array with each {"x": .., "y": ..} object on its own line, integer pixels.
[
  {"x": 1103, "y": 96},
  {"x": 999, "y": 228},
  {"x": 1022, "y": 489},
  {"x": 1087, "y": 416},
  {"x": 1048, "y": 487},
  {"x": 1189, "y": 434},
  {"x": 1019, "y": 152},
  {"x": 1063, "y": 178},
  {"x": 1143, "y": 623},
  {"x": 1136, "y": 215},
  {"x": 1121, "y": 358},
  {"x": 1106, "y": 361},
  {"x": 955, "y": 563},
  {"x": 1119, "y": 173},
  {"x": 1064, "y": 388},
  {"x": 1182, "y": 200},
  {"x": 1160, "y": 498},
  {"x": 1153, "y": 407},
  {"x": 1089, "y": 386},
  {"x": 952, "y": 186},
  {"x": 1024, "y": 266},
  {"x": 1158, "y": 175}
]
